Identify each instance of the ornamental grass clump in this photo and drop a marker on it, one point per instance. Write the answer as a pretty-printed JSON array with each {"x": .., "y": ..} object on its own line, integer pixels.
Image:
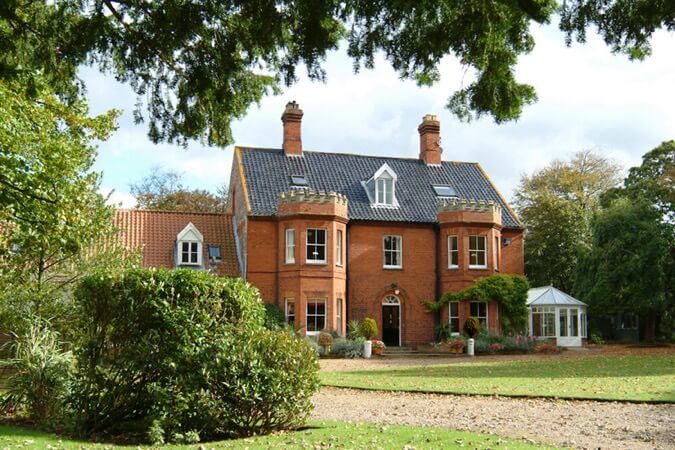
[
  {"x": 42, "y": 375},
  {"x": 180, "y": 355}
]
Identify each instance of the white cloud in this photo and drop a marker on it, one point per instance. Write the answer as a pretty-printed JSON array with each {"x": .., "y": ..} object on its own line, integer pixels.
[{"x": 118, "y": 199}]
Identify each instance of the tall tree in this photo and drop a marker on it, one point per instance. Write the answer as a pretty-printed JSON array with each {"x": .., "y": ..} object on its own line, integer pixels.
[
  {"x": 51, "y": 214},
  {"x": 630, "y": 267},
  {"x": 556, "y": 204},
  {"x": 198, "y": 65},
  {"x": 164, "y": 190}
]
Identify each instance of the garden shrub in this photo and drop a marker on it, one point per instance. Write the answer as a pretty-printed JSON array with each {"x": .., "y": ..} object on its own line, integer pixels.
[
  {"x": 596, "y": 339},
  {"x": 274, "y": 317},
  {"x": 520, "y": 343},
  {"x": 43, "y": 374},
  {"x": 348, "y": 348},
  {"x": 368, "y": 328},
  {"x": 443, "y": 332},
  {"x": 314, "y": 345},
  {"x": 181, "y": 353},
  {"x": 471, "y": 327}
]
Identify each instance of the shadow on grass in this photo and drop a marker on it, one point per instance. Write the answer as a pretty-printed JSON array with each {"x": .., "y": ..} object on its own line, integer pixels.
[{"x": 600, "y": 367}]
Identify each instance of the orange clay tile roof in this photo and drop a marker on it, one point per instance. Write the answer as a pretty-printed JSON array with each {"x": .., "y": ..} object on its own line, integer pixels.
[{"x": 155, "y": 232}]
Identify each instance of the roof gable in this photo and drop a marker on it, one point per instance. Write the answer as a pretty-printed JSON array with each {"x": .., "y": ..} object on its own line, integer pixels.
[
  {"x": 267, "y": 173},
  {"x": 190, "y": 233}
]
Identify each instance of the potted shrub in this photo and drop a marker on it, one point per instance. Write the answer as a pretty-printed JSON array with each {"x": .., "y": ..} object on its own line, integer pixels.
[
  {"x": 456, "y": 345},
  {"x": 325, "y": 340},
  {"x": 368, "y": 328},
  {"x": 472, "y": 327},
  {"x": 378, "y": 347}
]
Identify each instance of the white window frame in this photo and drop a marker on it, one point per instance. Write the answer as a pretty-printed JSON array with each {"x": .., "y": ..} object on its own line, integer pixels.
[
  {"x": 315, "y": 244},
  {"x": 315, "y": 316},
  {"x": 398, "y": 251},
  {"x": 496, "y": 253},
  {"x": 338, "y": 315},
  {"x": 338, "y": 248},
  {"x": 452, "y": 251},
  {"x": 543, "y": 312},
  {"x": 290, "y": 246},
  {"x": 487, "y": 312},
  {"x": 189, "y": 235},
  {"x": 477, "y": 251},
  {"x": 450, "y": 317},
  {"x": 182, "y": 253},
  {"x": 385, "y": 189},
  {"x": 287, "y": 315}
]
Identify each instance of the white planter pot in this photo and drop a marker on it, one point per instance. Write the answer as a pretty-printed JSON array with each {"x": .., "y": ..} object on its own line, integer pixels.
[
  {"x": 367, "y": 349},
  {"x": 469, "y": 347}
]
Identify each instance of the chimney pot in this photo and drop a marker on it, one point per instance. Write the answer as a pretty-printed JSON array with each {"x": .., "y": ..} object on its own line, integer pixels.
[
  {"x": 430, "y": 140},
  {"x": 292, "y": 123}
]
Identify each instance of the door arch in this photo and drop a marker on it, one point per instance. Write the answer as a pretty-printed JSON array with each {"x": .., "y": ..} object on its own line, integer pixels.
[{"x": 391, "y": 320}]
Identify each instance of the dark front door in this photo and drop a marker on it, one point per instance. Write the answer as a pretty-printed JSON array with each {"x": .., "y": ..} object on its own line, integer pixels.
[{"x": 390, "y": 324}]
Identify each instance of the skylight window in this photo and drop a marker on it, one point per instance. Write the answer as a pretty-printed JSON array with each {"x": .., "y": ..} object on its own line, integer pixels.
[
  {"x": 214, "y": 253},
  {"x": 445, "y": 191},
  {"x": 299, "y": 180}
]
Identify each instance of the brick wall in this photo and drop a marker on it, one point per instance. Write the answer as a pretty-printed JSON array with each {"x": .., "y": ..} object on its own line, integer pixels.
[{"x": 369, "y": 283}]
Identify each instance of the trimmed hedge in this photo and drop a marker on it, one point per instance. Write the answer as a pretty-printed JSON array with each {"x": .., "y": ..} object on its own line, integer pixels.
[{"x": 174, "y": 353}]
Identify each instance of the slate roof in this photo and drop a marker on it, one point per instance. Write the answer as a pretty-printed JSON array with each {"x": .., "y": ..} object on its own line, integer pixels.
[
  {"x": 155, "y": 233},
  {"x": 268, "y": 172},
  {"x": 549, "y": 296}
]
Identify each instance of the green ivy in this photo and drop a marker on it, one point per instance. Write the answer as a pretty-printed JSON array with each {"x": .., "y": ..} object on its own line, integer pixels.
[{"x": 509, "y": 291}]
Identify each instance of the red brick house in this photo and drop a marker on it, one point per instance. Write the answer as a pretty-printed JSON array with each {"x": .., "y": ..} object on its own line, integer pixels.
[{"x": 331, "y": 237}]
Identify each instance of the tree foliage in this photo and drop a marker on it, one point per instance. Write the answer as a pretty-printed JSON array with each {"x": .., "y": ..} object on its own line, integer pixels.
[
  {"x": 509, "y": 291},
  {"x": 557, "y": 204},
  {"x": 630, "y": 265},
  {"x": 197, "y": 66},
  {"x": 51, "y": 215},
  {"x": 164, "y": 190}
]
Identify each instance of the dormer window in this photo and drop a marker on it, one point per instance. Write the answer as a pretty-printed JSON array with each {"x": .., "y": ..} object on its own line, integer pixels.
[
  {"x": 381, "y": 188},
  {"x": 189, "y": 246},
  {"x": 384, "y": 190}
]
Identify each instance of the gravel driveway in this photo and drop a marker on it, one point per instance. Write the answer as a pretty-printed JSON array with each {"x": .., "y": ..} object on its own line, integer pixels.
[{"x": 578, "y": 424}]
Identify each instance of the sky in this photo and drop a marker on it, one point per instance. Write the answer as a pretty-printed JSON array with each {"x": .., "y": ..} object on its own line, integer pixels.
[{"x": 589, "y": 98}]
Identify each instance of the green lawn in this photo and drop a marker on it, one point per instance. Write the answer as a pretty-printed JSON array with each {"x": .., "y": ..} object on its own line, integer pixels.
[
  {"x": 319, "y": 435},
  {"x": 630, "y": 378}
]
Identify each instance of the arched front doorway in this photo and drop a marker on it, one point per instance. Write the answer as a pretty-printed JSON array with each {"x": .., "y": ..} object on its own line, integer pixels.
[{"x": 391, "y": 321}]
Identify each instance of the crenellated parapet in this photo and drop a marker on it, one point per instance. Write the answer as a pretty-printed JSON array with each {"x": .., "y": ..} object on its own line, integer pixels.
[
  {"x": 311, "y": 196},
  {"x": 453, "y": 204},
  {"x": 312, "y": 202},
  {"x": 469, "y": 211}
]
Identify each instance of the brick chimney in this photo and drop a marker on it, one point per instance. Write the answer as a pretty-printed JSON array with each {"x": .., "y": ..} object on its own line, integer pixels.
[
  {"x": 430, "y": 140},
  {"x": 292, "y": 119}
]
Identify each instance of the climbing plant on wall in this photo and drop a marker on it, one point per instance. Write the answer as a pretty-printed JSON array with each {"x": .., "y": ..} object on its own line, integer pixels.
[{"x": 509, "y": 291}]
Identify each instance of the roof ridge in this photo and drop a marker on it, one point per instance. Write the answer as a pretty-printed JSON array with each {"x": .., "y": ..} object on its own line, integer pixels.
[
  {"x": 359, "y": 155},
  {"x": 164, "y": 211}
]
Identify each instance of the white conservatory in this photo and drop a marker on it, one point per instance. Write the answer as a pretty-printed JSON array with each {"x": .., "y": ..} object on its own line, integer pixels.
[{"x": 554, "y": 314}]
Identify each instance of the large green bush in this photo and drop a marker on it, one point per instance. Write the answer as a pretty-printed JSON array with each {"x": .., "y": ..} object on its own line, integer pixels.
[{"x": 180, "y": 353}]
